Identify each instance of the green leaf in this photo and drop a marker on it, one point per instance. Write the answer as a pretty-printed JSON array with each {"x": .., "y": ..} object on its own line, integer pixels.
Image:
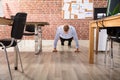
[{"x": 116, "y": 9}]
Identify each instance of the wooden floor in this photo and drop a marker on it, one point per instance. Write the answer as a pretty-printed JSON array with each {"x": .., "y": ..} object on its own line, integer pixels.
[{"x": 63, "y": 65}]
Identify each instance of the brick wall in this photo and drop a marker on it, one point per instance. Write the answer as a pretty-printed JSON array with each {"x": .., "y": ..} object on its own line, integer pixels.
[{"x": 49, "y": 11}]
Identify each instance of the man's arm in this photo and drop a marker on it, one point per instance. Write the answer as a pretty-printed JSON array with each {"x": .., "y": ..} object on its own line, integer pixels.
[
  {"x": 76, "y": 39},
  {"x": 56, "y": 40}
]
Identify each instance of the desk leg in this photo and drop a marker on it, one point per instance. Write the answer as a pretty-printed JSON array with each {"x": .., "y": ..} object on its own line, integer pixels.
[
  {"x": 97, "y": 39},
  {"x": 91, "y": 45},
  {"x": 38, "y": 39}
]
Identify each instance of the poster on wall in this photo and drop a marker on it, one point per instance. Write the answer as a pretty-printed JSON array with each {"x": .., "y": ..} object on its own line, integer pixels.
[{"x": 77, "y": 9}]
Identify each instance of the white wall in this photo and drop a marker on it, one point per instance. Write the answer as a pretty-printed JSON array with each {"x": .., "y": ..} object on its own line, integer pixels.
[{"x": 1, "y": 9}]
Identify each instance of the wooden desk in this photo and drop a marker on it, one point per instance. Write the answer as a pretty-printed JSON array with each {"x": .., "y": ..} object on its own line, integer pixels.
[
  {"x": 5, "y": 21},
  {"x": 112, "y": 21},
  {"x": 38, "y": 35}
]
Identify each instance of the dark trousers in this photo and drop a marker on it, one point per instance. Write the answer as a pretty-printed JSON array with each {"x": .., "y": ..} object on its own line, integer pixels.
[{"x": 63, "y": 40}]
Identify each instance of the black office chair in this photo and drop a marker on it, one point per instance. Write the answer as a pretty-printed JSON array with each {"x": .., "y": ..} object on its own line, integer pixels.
[
  {"x": 19, "y": 22},
  {"x": 113, "y": 36},
  {"x": 29, "y": 30}
]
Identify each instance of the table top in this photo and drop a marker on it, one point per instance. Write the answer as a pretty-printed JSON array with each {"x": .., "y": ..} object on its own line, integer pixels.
[
  {"x": 6, "y": 21},
  {"x": 38, "y": 23},
  {"x": 110, "y": 21},
  {"x": 107, "y": 18}
]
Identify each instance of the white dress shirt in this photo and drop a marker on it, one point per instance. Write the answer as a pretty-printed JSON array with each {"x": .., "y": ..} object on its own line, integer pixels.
[{"x": 71, "y": 33}]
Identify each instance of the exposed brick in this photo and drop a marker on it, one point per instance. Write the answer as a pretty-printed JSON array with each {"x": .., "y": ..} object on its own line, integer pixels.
[{"x": 49, "y": 11}]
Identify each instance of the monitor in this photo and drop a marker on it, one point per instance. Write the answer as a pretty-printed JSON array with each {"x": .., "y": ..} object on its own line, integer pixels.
[
  {"x": 99, "y": 13},
  {"x": 113, "y": 7}
]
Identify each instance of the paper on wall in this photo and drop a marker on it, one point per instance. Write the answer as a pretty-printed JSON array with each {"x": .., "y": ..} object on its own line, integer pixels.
[
  {"x": 82, "y": 10},
  {"x": 79, "y": 1},
  {"x": 81, "y": 16},
  {"x": 74, "y": 8},
  {"x": 73, "y": 0},
  {"x": 75, "y": 5},
  {"x": 66, "y": 6},
  {"x": 86, "y": 1},
  {"x": 88, "y": 14},
  {"x": 88, "y": 6},
  {"x": 67, "y": 15},
  {"x": 67, "y": 0},
  {"x": 72, "y": 16},
  {"x": 82, "y": 6},
  {"x": 75, "y": 11}
]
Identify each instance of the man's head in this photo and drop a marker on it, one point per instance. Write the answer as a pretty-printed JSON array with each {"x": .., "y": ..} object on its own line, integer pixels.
[{"x": 66, "y": 28}]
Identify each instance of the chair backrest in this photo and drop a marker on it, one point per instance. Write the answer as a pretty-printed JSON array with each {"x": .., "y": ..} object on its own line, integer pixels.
[
  {"x": 30, "y": 28},
  {"x": 113, "y": 31},
  {"x": 18, "y": 25}
]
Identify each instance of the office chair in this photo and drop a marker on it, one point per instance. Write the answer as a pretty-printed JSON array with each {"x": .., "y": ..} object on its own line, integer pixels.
[
  {"x": 16, "y": 34},
  {"x": 113, "y": 36}
]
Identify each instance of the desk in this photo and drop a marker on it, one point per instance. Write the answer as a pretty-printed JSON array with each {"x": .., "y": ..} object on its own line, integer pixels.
[
  {"x": 111, "y": 21},
  {"x": 38, "y": 35}
]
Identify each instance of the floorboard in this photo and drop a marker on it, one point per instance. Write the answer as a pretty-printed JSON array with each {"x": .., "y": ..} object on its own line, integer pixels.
[{"x": 62, "y": 65}]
